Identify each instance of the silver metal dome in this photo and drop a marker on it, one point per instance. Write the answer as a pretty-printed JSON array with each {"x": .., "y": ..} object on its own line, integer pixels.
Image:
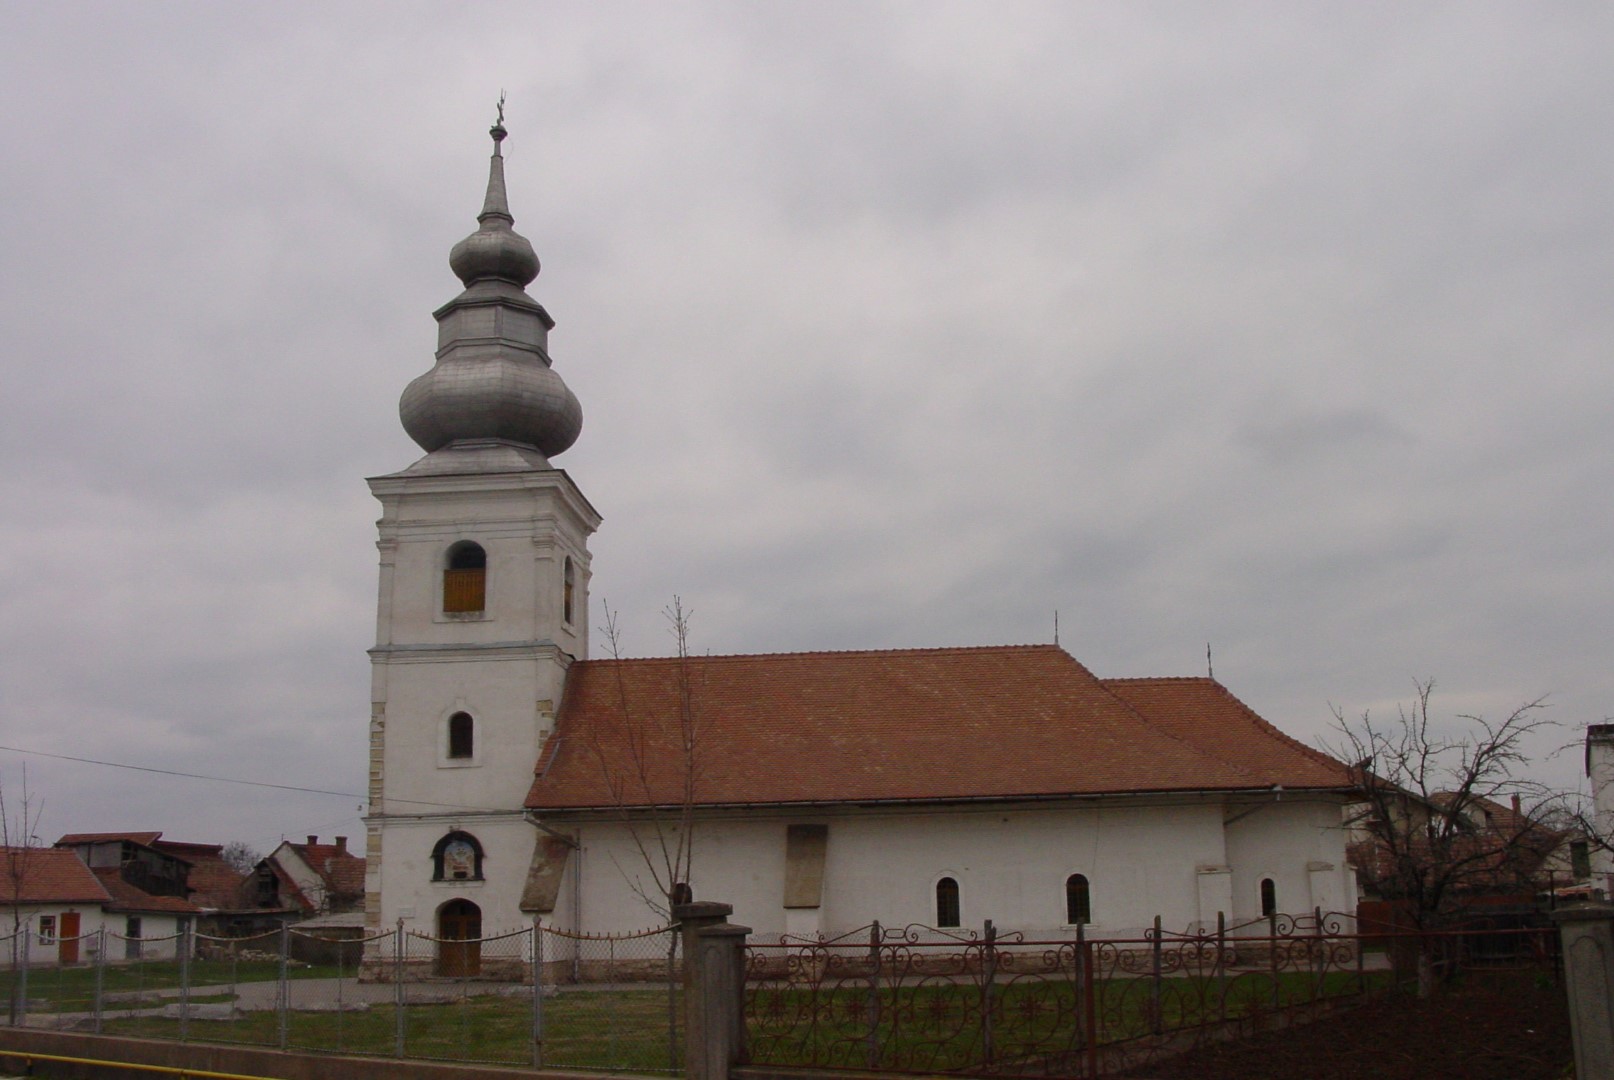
[{"x": 493, "y": 378}]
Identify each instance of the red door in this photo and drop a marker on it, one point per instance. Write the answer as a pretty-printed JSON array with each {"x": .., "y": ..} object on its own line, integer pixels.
[{"x": 67, "y": 938}]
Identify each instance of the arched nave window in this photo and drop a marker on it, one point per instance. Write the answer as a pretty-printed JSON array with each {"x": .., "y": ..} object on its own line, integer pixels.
[
  {"x": 947, "y": 907},
  {"x": 1078, "y": 900}
]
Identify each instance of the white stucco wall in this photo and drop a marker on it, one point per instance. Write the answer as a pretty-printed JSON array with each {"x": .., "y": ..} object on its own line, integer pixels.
[
  {"x": 1600, "y": 775},
  {"x": 157, "y": 933},
  {"x": 1011, "y": 865},
  {"x": 1298, "y": 842},
  {"x": 505, "y": 667}
]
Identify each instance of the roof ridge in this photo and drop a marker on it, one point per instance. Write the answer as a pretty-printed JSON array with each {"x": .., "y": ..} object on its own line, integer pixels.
[{"x": 805, "y": 653}]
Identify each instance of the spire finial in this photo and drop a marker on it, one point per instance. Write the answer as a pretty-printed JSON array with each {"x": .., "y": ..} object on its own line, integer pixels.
[{"x": 497, "y": 130}]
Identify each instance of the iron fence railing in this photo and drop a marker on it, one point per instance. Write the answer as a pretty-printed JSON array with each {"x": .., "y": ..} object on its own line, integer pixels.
[
  {"x": 923, "y": 1000},
  {"x": 535, "y": 996}
]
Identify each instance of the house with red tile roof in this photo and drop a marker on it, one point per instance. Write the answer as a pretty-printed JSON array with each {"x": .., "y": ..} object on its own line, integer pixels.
[
  {"x": 71, "y": 910},
  {"x": 308, "y": 879},
  {"x": 512, "y": 777}
]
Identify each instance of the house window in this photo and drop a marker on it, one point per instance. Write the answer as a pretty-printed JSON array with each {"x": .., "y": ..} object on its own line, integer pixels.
[
  {"x": 1269, "y": 897},
  {"x": 947, "y": 909},
  {"x": 465, "y": 579},
  {"x": 461, "y": 736},
  {"x": 568, "y": 587},
  {"x": 1580, "y": 859},
  {"x": 131, "y": 938},
  {"x": 47, "y": 929},
  {"x": 457, "y": 857},
  {"x": 1078, "y": 900}
]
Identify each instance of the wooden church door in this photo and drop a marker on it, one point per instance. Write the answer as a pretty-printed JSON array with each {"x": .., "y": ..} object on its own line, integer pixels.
[{"x": 459, "y": 952}]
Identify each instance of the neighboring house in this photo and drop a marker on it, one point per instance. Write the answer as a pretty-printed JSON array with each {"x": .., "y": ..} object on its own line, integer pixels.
[
  {"x": 68, "y": 905},
  {"x": 1477, "y": 851},
  {"x": 303, "y": 880},
  {"x": 941, "y": 786}
]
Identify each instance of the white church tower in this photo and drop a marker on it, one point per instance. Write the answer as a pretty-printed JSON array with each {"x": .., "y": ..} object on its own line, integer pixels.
[{"x": 483, "y": 599}]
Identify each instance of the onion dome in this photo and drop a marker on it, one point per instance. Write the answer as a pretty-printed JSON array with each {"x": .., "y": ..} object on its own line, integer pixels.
[{"x": 492, "y": 379}]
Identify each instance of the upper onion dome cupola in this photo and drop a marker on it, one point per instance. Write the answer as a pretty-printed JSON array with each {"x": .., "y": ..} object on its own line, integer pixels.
[
  {"x": 495, "y": 250},
  {"x": 492, "y": 382}
]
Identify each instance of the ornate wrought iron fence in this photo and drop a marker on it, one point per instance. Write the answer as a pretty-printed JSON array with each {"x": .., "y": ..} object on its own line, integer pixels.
[
  {"x": 918, "y": 999},
  {"x": 536, "y": 996}
]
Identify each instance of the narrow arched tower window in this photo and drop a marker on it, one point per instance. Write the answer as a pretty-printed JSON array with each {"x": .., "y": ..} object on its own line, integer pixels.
[
  {"x": 465, "y": 578},
  {"x": 947, "y": 912},
  {"x": 568, "y": 589},
  {"x": 1078, "y": 900},
  {"x": 1269, "y": 897},
  {"x": 461, "y": 736}
]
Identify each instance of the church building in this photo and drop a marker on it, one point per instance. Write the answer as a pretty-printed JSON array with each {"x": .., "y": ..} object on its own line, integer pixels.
[{"x": 513, "y": 778}]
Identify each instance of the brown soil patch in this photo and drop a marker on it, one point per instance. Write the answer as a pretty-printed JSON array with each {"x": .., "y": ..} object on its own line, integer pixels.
[{"x": 1500, "y": 1027}]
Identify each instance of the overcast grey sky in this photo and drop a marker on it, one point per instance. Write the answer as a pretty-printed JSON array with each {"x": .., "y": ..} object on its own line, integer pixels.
[{"x": 1282, "y": 327}]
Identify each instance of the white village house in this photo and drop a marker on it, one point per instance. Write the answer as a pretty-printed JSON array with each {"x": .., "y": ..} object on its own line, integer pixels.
[{"x": 510, "y": 774}]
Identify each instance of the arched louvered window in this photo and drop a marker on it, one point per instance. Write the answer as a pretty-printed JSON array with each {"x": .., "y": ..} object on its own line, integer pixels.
[
  {"x": 947, "y": 907},
  {"x": 465, "y": 579},
  {"x": 461, "y": 736},
  {"x": 1078, "y": 900},
  {"x": 568, "y": 590}
]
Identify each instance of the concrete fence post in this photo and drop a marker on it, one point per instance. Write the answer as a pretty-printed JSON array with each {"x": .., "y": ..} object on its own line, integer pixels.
[
  {"x": 1587, "y": 933},
  {"x": 714, "y": 989}
]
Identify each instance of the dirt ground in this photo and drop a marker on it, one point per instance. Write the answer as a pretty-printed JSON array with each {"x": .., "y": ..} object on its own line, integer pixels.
[{"x": 1502, "y": 1027}]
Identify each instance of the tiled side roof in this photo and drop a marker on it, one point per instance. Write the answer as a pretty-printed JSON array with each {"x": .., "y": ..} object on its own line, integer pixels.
[
  {"x": 919, "y": 724},
  {"x": 48, "y": 876},
  {"x": 215, "y": 884},
  {"x": 341, "y": 870},
  {"x": 125, "y": 897},
  {"x": 145, "y": 839},
  {"x": 1204, "y": 713}
]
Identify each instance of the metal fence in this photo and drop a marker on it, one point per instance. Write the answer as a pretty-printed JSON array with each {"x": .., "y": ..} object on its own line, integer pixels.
[
  {"x": 537, "y": 996},
  {"x": 923, "y": 1000}
]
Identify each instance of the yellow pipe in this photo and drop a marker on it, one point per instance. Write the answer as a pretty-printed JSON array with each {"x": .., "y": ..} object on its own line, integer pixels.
[{"x": 31, "y": 1057}]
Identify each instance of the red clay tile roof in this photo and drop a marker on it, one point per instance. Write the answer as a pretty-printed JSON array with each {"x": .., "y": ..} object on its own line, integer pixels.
[
  {"x": 125, "y": 897},
  {"x": 340, "y": 869},
  {"x": 145, "y": 839},
  {"x": 920, "y": 724},
  {"x": 1204, "y": 713},
  {"x": 48, "y": 876}
]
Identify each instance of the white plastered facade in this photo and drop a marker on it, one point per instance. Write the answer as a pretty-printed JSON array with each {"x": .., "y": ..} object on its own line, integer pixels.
[
  {"x": 1185, "y": 859},
  {"x": 503, "y": 666}
]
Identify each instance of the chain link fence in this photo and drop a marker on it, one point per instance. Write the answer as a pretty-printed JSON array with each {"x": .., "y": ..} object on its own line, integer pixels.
[{"x": 535, "y": 996}]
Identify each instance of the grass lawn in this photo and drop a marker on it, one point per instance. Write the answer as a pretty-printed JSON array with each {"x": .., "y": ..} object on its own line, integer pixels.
[
  {"x": 72, "y": 989},
  {"x": 623, "y": 1030}
]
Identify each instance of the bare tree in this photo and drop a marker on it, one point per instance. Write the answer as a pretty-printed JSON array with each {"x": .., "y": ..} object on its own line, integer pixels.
[
  {"x": 1445, "y": 818},
  {"x": 19, "y": 824},
  {"x": 648, "y": 760},
  {"x": 240, "y": 856}
]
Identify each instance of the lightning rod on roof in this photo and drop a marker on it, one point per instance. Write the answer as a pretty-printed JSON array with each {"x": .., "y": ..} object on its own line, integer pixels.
[
  {"x": 1056, "y": 626},
  {"x": 1210, "y": 671}
]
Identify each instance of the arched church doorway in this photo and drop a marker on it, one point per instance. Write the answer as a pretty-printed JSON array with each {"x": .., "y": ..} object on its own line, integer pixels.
[{"x": 459, "y": 952}]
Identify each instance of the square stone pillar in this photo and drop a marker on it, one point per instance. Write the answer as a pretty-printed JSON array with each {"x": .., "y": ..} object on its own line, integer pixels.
[
  {"x": 714, "y": 989},
  {"x": 1587, "y": 932}
]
